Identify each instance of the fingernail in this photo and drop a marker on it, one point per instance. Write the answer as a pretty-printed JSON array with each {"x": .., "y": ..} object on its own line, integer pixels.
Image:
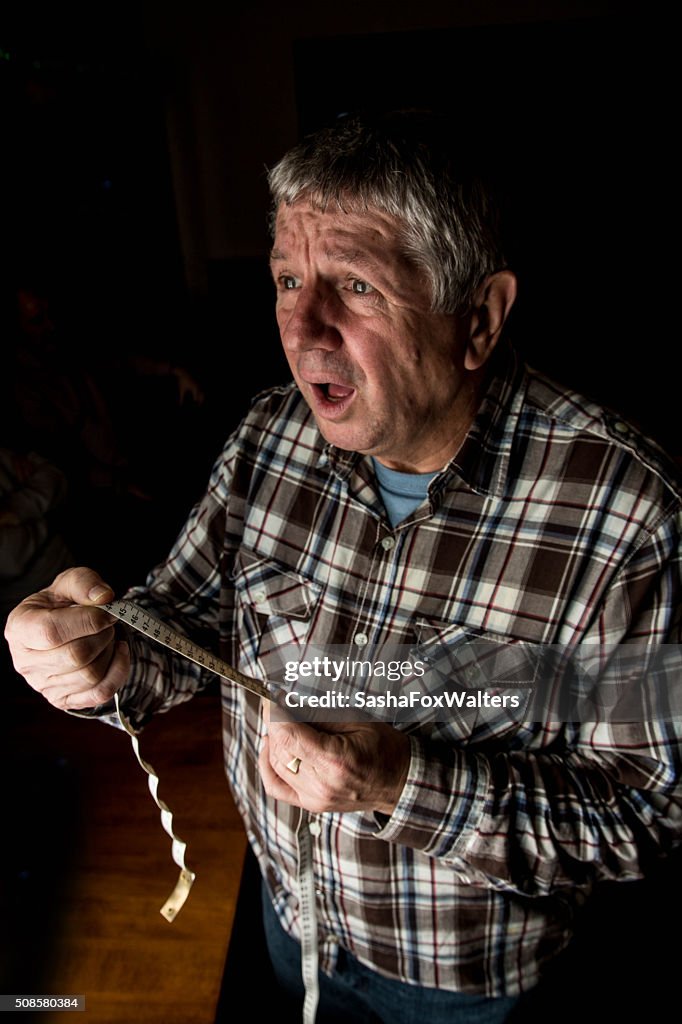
[{"x": 99, "y": 591}]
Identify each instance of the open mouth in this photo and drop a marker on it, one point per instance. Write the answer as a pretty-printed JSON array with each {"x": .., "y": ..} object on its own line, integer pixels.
[{"x": 334, "y": 392}]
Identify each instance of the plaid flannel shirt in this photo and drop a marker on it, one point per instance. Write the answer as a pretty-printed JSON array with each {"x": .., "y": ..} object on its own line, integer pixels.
[{"x": 556, "y": 523}]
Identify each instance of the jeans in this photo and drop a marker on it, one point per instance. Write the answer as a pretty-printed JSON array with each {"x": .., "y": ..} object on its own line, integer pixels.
[{"x": 357, "y": 994}]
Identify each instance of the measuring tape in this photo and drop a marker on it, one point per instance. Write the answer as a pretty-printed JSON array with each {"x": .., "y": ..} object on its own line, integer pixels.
[
  {"x": 307, "y": 919},
  {"x": 185, "y": 881},
  {"x": 141, "y": 620}
]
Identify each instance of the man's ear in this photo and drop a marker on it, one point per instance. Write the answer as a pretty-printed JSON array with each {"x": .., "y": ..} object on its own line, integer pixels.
[{"x": 489, "y": 310}]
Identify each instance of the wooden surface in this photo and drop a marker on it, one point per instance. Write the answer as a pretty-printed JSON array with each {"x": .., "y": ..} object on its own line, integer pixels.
[{"x": 87, "y": 865}]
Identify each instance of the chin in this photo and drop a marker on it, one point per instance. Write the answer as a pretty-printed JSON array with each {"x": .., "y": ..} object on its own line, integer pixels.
[{"x": 340, "y": 438}]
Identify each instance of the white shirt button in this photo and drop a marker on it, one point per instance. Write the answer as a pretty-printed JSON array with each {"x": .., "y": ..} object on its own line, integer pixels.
[
  {"x": 620, "y": 427},
  {"x": 361, "y": 639},
  {"x": 388, "y": 543},
  {"x": 259, "y": 597},
  {"x": 314, "y": 828}
]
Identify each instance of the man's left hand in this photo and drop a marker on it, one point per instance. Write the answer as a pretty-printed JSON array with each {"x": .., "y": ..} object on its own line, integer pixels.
[{"x": 344, "y": 766}]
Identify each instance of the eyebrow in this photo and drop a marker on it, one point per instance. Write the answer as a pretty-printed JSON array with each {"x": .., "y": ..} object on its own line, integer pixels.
[{"x": 356, "y": 257}]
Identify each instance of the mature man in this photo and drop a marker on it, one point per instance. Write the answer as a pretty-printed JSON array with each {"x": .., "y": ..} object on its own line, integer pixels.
[{"x": 416, "y": 486}]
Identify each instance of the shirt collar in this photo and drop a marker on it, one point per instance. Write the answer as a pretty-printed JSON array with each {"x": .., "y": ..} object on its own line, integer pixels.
[{"x": 483, "y": 460}]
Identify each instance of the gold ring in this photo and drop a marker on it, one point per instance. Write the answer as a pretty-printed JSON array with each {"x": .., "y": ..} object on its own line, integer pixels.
[{"x": 294, "y": 765}]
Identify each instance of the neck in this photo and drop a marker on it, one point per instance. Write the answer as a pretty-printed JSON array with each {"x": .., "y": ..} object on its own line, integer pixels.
[{"x": 439, "y": 449}]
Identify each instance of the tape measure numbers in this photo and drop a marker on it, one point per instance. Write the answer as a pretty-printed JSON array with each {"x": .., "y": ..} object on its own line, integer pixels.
[
  {"x": 140, "y": 619},
  {"x": 307, "y": 919}
]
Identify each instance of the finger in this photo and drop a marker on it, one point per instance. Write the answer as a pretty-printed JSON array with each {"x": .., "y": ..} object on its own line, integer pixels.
[
  {"x": 275, "y": 784},
  {"x": 107, "y": 675},
  {"x": 303, "y": 789},
  {"x": 81, "y": 586},
  {"x": 74, "y": 657},
  {"x": 37, "y": 627},
  {"x": 87, "y": 677},
  {"x": 276, "y": 762},
  {"x": 300, "y": 740},
  {"x": 282, "y": 744}
]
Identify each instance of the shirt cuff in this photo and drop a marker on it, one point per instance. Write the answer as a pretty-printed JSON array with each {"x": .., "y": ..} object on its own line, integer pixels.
[
  {"x": 441, "y": 803},
  {"x": 107, "y": 712},
  {"x": 102, "y": 712}
]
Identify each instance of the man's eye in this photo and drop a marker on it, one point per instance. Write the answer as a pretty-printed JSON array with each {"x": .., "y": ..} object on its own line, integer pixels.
[
  {"x": 360, "y": 287},
  {"x": 287, "y": 282}
]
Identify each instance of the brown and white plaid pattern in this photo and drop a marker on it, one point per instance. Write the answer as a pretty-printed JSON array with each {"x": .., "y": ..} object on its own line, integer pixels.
[{"x": 555, "y": 524}]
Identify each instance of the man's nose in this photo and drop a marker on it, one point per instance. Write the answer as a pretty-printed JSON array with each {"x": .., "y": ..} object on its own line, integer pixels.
[{"x": 312, "y": 322}]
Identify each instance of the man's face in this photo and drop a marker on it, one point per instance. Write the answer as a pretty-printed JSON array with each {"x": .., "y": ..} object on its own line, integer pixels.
[{"x": 382, "y": 374}]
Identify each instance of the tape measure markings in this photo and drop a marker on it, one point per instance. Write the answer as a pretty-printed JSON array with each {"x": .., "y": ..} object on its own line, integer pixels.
[
  {"x": 307, "y": 919},
  {"x": 141, "y": 620}
]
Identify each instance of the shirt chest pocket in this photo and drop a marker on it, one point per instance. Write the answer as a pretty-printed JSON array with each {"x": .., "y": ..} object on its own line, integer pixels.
[
  {"x": 484, "y": 683},
  {"x": 275, "y": 609}
]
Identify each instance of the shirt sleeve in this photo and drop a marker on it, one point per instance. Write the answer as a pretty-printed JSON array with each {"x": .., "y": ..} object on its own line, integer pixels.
[{"x": 599, "y": 801}]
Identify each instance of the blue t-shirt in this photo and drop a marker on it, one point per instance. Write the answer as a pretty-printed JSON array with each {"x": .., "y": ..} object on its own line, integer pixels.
[{"x": 402, "y": 493}]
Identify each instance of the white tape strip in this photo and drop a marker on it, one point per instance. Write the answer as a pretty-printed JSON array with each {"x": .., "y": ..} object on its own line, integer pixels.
[
  {"x": 308, "y": 919},
  {"x": 141, "y": 620},
  {"x": 177, "y": 898}
]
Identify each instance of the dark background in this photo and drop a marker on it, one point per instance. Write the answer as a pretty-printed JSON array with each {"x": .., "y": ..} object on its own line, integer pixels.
[
  {"x": 132, "y": 185},
  {"x": 132, "y": 197}
]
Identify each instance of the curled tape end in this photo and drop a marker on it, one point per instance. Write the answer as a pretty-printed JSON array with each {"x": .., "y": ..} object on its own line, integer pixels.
[{"x": 176, "y": 900}]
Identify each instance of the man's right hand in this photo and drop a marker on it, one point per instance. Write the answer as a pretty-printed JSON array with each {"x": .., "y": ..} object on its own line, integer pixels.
[{"x": 65, "y": 646}]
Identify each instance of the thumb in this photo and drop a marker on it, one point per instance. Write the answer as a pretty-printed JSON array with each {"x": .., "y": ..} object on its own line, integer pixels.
[{"x": 80, "y": 586}]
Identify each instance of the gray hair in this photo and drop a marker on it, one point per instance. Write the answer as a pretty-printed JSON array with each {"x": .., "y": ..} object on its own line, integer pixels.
[{"x": 403, "y": 164}]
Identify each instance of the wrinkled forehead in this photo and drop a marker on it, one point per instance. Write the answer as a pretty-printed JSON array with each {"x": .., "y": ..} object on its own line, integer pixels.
[
  {"x": 368, "y": 234},
  {"x": 307, "y": 215}
]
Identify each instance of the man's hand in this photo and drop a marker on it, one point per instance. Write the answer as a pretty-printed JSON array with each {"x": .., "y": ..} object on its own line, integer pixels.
[
  {"x": 65, "y": 646},
  {"x": 345, "y": 766}
]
